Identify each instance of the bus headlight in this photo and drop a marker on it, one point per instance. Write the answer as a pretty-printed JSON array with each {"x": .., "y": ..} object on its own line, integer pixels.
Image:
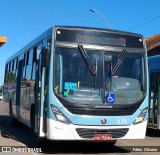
[
  {"x": 141, "y": 116},
  {"x": 59, "y": 115}
]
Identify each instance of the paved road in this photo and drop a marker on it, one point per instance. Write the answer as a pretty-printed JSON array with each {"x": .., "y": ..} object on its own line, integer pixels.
[{"x": 21, "y": 136}]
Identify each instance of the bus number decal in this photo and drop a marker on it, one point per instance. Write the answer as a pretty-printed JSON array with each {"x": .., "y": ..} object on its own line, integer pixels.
[{"x": 122, "y": 121}]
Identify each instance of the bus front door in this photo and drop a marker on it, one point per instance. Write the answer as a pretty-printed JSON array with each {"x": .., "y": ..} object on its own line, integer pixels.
[
  {"x": 18, "y": 88},
  {"x": 40, "y": 90}
]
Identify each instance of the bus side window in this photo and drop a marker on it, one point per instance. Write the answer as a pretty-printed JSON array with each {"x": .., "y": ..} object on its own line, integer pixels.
[
  {"x": 16, "y": 68},
  {"x": 29, "y": 65},
  {"x": 24, "y": 67},
  {"x": 9, "y": 67},
  {"x": 6, "y": 74},
  {"x": 34, "y": 64},
  {"x": 12, "y": 72}
]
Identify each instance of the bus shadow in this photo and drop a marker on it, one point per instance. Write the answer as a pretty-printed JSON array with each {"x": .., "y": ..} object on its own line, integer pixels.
[
  {"x": 20, "y": 132},
  {"x": 23, "y": 134},
  {"x": 153, "y": 133},
  {"x": 72, "y": 147}
]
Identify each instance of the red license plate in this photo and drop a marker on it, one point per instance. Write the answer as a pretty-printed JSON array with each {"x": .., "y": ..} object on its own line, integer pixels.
[{"x": 102, "y": 137}]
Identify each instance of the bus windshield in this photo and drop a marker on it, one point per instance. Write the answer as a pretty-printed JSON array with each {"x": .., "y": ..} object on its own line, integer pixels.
[{"x": 76, "y": 83}]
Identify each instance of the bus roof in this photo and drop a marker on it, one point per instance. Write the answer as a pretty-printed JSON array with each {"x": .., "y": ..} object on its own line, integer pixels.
[
  {"x": 102, "y": 29},
  {"x": 51, "y": 29}
]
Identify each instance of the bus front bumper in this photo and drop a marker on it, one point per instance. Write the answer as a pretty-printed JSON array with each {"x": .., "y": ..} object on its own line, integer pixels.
[{"x": 60, "y": 131}]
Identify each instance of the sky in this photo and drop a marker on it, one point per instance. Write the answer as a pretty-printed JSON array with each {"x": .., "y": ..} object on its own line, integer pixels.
[{"x": 23, "y": 20}]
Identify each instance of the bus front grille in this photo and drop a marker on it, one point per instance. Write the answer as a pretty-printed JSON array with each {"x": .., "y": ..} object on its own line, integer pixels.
[
  {"x": 101, "y": 112},
  {"x": 90, "y": 133}
]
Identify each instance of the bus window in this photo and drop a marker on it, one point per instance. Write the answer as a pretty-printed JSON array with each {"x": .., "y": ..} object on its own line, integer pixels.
[
  {"x": 28, "y": 72},
  {"x": 30, "y": 59},
  {"x": 34, "y": 64},
  {"x": 29, "y": 62},
  {"x": 9, "y": 64},
  {"x": 24, "y": 67},
  {"x": 15, "y": 68}
]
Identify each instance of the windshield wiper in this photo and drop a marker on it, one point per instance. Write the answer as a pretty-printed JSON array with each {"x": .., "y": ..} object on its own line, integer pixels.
[
  {"x": 116, "y": 66},
  {"x": 92, "y": 69},
  {"x": 118, "y": 62}
]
